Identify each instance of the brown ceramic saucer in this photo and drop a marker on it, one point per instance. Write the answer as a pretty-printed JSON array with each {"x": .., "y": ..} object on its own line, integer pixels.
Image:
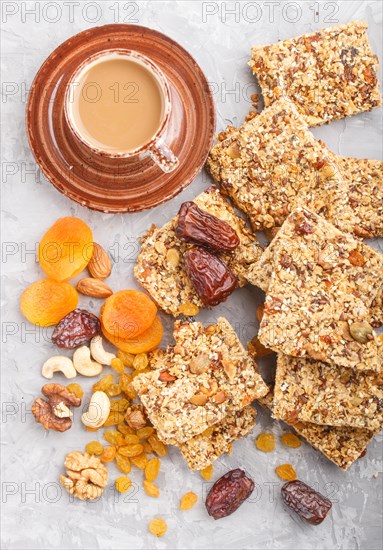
[{"x": 120, "y": 185}]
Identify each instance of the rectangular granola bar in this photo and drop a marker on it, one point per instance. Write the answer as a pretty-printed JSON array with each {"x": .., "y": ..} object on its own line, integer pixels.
[
  {"x": 310, "y": 391},
  {"x": 272, "y": 164},
  {"x": 202, "y": 450},
  {"x": 203, "y": 378},
  {"x": 320, "y": 283},
  {"x": 342, "y": 445},
  {"x": 329, "y": 74},
  {"x": 160, "y": 265}
]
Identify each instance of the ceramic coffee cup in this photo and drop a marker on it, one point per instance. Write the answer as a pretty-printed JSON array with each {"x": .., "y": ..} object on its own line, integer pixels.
[{"x": 155, "y": 146}]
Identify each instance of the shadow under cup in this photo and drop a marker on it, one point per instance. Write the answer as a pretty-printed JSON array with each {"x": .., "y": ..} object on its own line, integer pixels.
[{"x": 118, "y": 105}]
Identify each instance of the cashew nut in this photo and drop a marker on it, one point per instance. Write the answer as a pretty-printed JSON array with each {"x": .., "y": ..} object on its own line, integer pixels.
[
  {"x": 58, "y": 363},
  {"x": 84, "y": 364},
  {"x": 98, "y": 353},
  {"x": 98, "y": 411},
  {"x": 62, "y": 411}
]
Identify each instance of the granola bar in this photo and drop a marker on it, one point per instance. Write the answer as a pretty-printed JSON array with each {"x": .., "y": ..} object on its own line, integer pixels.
[
  {"x": 319, "y": 293},
  {"x": 376, "y": 310},
  {"x": 310, "y": 391},
  {"x": 202, "y": 450},
  {"x": 273, "y": 164},
  {"x": 204, "y": 377},
  {"x": 160, "y": 265},
  {"x": 342, "y": 445},
  {"x": 329, "y": 74}
]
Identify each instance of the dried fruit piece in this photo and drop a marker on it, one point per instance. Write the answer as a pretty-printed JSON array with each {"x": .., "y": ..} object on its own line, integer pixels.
[
  {"x": 104, "y": 383},
  {"x": 307, "y": 503},
  {"x": 148, "y": 449},
  {"x": 152, "y": 468},
  {"x": 166, "y": 377},
  {"x": 120, "y": 405},
  {"x": 113, "y": 390},
  {"x": 123, "y": 463},
  {"x": 286, "y": 472},
  {"x": 207, "y": 473},
  {"x": 127, "y": 314},
  {"x": 131, "y": 439},
  {"x": 76, "y": 389},
  {"x": 131, "y": 450},
  {"x": 141, "y": 361},
  {"x": 356, "y": 258},
  {"x": 199, "y": 227},
  {"x": 123, "y": 484},
  {"x": 113, "y": 419},
  {"x": 158, "y": 446},
  {"x": 291, "y": 440},
  {"x": 188, "y": 501},
  {"x": 140, "y": 461},
  {"x": 151, "y": 489},
  {"x": 93, "y": 288},
  {"x": 114, "y": 437},
  {"x": 118, "y": 365},
  {"x": 147, "y": 341},
  {"x": 125, "y": 429},
  {"x": 94, "y": 448},
  {"x": 228, "y": 493},
  {"x": 100, "y": 265},
  {"x": 158, "y": 527},
  {"x": 46, "y": 302},
  {"x": 75, "y": 329},
  {"x": 211, "y": 278},
  {"x": 109, "y": 454},
  {"x": 66, "y": 248},
  {"x": 362, "y": 332},
  {"x": 126, "y": 358},
  {"x": 256, "y": 348},
  {"x": 265, "y": 442},
  {"x": 145, "y": 432},
  {"x": 190, "y": 310}
]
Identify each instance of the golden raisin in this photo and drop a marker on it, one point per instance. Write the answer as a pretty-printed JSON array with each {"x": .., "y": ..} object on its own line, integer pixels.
[
  {"x": 286, "y": 472},
  {"x": 123, "y": 484},
  {"x": 148, "y": 449},
  {"x": 131, "y": 450},
  {"x": 109, "y": 454},
  {"x": 158, "y": 527},
  {"x": 125, "y": 381},
  {"x": 188, "y": 501},
  {"x": 140, "y": 461},
  {"x": 118, "y": 365},
  {"x": 189, "y": 310},
  {"x": 76, "y": 389},
  {"x": 158, "y": 447},
  {"x": 123, "y": 463},
  {"x": 113, "y": 419},
  {"x": 207, "y": 472},
  {"x": 131, "y": 439},
  {"x": 113, "y": 390},
  {"x": 104, "y": 383},
  {"x": 126, "y": 358},
  {"x": 94, "y": 448},
  {"x": 89, "y": 429},
  {"x": 151, "y": 489},
  {"x": 144, "y": 433},
  {"x": 140, "y": 361},
  {"x": 125, "y": 429},
  {"x": 291, "y": 440},
  {"x": 265, "y": 442},
  {"x": 152, "y": 468},
  {"x": 120, "y": 405},
  {"x": 114, "y": 438}
]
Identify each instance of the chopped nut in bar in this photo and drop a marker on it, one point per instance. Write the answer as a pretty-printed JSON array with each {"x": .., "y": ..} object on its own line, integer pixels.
[
  {"x": 204, "y": 377},
  {"x": 329, "y": 74}
]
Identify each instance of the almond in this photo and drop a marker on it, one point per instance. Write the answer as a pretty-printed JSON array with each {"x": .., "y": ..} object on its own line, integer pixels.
[
  {"x": 219, "y": 397},
  {"x": 94, "y": 288},
  {"x": 198, "y": 399},
  {"x": 100, "y": 265}
]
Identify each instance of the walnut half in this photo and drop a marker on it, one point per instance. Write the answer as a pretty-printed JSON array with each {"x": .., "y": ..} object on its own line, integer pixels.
[
  {"x": 86, "y": 476},
  {"x": 54, "y": 413}
]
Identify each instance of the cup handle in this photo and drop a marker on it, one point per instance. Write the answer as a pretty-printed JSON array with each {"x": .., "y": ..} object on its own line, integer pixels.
[{"x": 163, "y": 156}]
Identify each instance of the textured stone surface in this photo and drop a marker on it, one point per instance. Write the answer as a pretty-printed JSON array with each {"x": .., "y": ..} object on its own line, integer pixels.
[{"x": 32, "y": 459}]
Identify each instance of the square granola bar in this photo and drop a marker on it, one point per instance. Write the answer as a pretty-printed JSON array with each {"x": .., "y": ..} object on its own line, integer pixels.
[
  {"x": 272, "y": 164},
  {"x": 202, "y": 450},
  {"x": 310, "y": 391},
  {"x": 204, "y": 377},
  {"x": 160, "y": 267},
  {"x": 329, "y": 74},
  {"x": 320, "y": 283}
]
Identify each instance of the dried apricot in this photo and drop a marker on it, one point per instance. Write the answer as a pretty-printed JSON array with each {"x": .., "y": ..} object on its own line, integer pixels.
[
  {"x": 158, "y": 447},
  {"x": 123, "y": 463},
  {"x": 76, "y": 389},
  {"x": 94, "y": 448},
  {"x": 131, "y": 450},
  {"x": 104, "y": 383},
  {"x": 140, "y": 461},
  {"x": 123, "y": 484},
  {"x": 151, "y": 489},
  {"x": 158, "y": 527},
  {"x": 152, "y": 468},
  {"x": 286, "y": 472},
  {"x": 66, "y": 248},
  {"x": 147, "y": 341},
  {"x": 128, "y": 313},
  {"x": 114, "y": 437},
  {"x": 291, "y": 440},
  {"x": 144, "y": 433},
  {"x": 46, "y": 302},
  {"x": 126, "y": 358},
  {"x": 188, "y": 501},
  {"x": 265, "y": 442},
  {"x": 109, "y": 454},
  {"x": 207, "y": 472},
  {"x": 118, "y": 365}
]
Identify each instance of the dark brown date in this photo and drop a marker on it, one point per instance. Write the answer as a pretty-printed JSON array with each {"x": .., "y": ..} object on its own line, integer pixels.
[
  {"x": 197, "y": 226},
  {"x": 76, "y": 328},
  {"x": 306, "y": 502},
  {"x": 228, "y": 493},
  {"x": 211, "y": 278}
]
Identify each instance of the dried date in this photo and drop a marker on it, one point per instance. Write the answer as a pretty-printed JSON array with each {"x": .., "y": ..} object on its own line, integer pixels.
[
  {"x": 211, "y": 278},
  {"x": 305, "y": 501},
  {"x": 199, "y": 227},
  {"x": 75, "y": 329},
  {"x": 228, "y": 493}
]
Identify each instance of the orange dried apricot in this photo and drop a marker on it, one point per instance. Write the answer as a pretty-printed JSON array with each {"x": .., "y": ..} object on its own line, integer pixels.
[
  {"x": 151, "y": 489},
  {"x": 265, "y": 442},
  {"x": 66, "y": 248},
  {"x": 147, "y": 341},
  {"x": 46, "y": 302},
  {"x": 286, "y": 472},
  {"x": 152, "y": 468},
  {"x": 128, "y": 313},
  {"x": 207, "y": 472},
  {"x": 291, "y": 440},
  {"x": 188, "y": 501},
  {"x": 158, "y": 527}
]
